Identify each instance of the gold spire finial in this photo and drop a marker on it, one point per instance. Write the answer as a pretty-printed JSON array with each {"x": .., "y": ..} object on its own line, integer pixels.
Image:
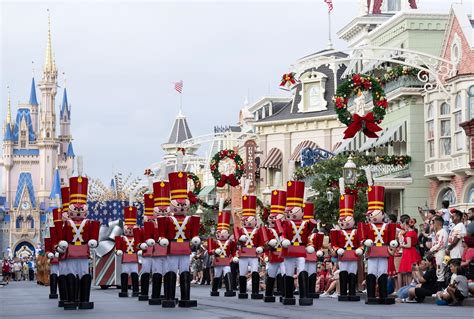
[
  {"x": 33, "y": 69},
  {"x": 49, "y": 64},
  {"x": 65, "y": 80},
  {"x": 9, "y": 109}
]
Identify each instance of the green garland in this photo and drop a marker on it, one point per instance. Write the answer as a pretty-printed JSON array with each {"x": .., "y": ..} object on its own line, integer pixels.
[
  {"x": 232, "y": 179},
  {"x": 196, "y": 182},
  {"x": 394, "y": 73}
]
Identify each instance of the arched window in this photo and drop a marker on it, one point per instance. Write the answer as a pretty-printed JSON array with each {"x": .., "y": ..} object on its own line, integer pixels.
[
  {"x": 470, "y": 194},
  {"x": 31, "y": 221},
  {"x": 430, "y": 131},
  {"x": 470, "y": 102},
  {"x": 447, "y": 194},
  {"x": 445, "y": 129},
  {"x": 458, "y": 131},
  {"x": 19, "y": 221}
]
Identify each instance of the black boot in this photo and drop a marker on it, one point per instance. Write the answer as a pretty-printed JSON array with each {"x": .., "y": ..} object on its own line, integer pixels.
[
  {"x": 123, "y": 285},
  {"x": 235, "y": 275},
  {"x": 156, "y": 281},
  {"x": 371, "y": 281},
  {"x": 78, "y": 289},
  {"x": 303, "y": 282},
  {"x": 344, "y": 282},
  {"x": 84, "y": 302},
  {"x": 352, "y": 287},
  {"x": 228, "y": 285},
  {"x": 256, "y": 286},
  {"x": 135, "y": 291},
  {"x": 383, "y": 293},
  {"x": 288, "y": 298},
  {"x": 145, "y": 286},
  {"x": 71, "y": 303},
  {"x": 62, "y": 284},
  {"x": 53, "y": 286},
  {"x": 215, "y": 286},
  {"x": 170, "y": 290},
  {"x": 312, "y": 286},
  {"x": 185, "y": 288},
  {"x": 243, "y": 287},
  {"x": 279, "y": 285},
  {"x": 269, "y": 286}
]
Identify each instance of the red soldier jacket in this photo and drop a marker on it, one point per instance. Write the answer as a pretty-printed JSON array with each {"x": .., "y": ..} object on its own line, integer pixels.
[
  {"x": 273, "y": 252},
  {"x": 128, "y": 245},
  {"x": 381, "y": 234},
  {"x": 228, "y": 248},
  {"x": 316, "y": 239},
  {"x": 254, "y": 240},
  {"x": 297, "y": 232},
  {"x": 150, "y": 231},
  {"x": 179, "y": 230},
  {"x": 49, "y": 248},
  {"x": 346, "y": 239},
  {"x": 78, "y": 235}
]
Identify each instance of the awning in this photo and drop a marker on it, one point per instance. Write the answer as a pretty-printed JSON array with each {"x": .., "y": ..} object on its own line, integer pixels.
[
  {"x": 296, "y": 156},
  {"x": 206, "y": 190},
  {"x": 395, "y": 133},
  {"x": 274, "y": 159},
  {"x": 351, "y": 144}
]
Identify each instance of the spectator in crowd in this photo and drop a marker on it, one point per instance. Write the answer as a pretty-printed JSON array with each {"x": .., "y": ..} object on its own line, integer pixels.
[
  {"x": 25, "y": 272},
  {"x": 455, "y": 248},
  {"x": 444, "y": 212},
  {"x": 31, "y": 269},
  {"x": 17, "y": 269},
  {"x": 6, "y": 270},
  {"x": 457, "y": 290},
  {"x": 206, "y": 264},
  {"x": 410, "y": 255},
  {"x": 332, "y": 289},
  {"x": 427, "y": 231},
  {"x": 426, "y": 276},
  {"x": 438, "y": 250}
]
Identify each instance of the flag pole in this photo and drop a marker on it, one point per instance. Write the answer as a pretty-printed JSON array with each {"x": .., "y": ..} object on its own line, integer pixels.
[
  {"x": 330, "y": 47},
  {"x": 181, "y": 103}
]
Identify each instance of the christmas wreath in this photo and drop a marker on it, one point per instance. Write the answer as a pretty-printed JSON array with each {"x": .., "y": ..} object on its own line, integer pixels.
[
  {"x": 192, "y": 195},
  {"x": 369, "y": 122},
  {"x": 232, "y": 179}
]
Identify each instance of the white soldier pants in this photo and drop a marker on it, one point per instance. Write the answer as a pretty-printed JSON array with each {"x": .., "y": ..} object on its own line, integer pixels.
[
  {"x": 129, "y": 268},
  {"x": 292, "y": 263},
  {"x": 178, "y": 262},
  {"x": 159, "y": 265},
  {"x": 377, "y": 266},
  {"x": 147, "y": 264},
  {"x": 219, "y": 270},
  {"x": 310, "y": 267},
  {"x": 62, "y": 268},
  {"x": 440, "y": 266},
  {"x": 349, "y": 266},
  {"x": 274, "y": 269},
  {"x": 54, "y": 269},
  {"x": 245, "y": 263},
  {"x": 78, "y": 267}
]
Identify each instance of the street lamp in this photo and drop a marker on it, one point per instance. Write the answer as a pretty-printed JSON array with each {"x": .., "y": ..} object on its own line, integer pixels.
[
  {"x": 199, "y": 211},
  {"x": 267, "y": 192},
  {"x": 329, "y": 196},
  {"x": 349, "y": 171}
]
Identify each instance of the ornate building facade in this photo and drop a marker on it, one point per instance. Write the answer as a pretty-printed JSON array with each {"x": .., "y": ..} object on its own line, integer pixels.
[{"x": 36, "y": 159}]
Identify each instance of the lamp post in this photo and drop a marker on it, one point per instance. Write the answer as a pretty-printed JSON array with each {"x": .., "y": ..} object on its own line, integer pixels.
[
  {"x": 349, "y": 171},
  {"x": 267, "y": 192},
  {"x": 329, "y": 196}
]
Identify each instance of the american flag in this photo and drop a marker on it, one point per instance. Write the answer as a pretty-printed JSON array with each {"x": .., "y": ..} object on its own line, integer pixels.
[
  {"x": 108, "y": 211},
  {"x": 178, "y": 86},
  {"x": 330, "y": 5}
]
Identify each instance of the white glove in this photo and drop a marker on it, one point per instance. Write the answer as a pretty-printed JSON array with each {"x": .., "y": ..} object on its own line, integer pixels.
[
  {"x": 50, "y": 255},
  {"x": 218, "y": 251},
  {"x": 143, "y": 246},
  {"x": 273, "y": 242},
  {"x": 320, "y": 253},
  {"x": 164, "y": 242},
  {"x": 92, "y": 243},
  {"x": 340, "y": 252},
  {"x": 359, "y": 252},
  {"x": 310, "y": 249},
  {"x": 196, "y": 241},
  {"x": 63, "y": 245},
  {"x": 235, "y": 259},
  {"x": 56, "y": 254},
  {"x": 259, "y": 250},
  {"x": 243, "y": 238},
  {"x": 119, "y": 252},
  {"x": 285, "y": 243},
  {"x": 140, "y": 252},
  {"x": 368, "y": 243},
  {"x": 150, "y": 242},
  {"x": 393, "y": 244}
]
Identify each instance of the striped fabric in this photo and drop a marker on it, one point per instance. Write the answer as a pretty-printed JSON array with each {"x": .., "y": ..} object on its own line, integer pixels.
[
  {"x": 296, "y": 155},
  {"x": 274, "y": 159}
]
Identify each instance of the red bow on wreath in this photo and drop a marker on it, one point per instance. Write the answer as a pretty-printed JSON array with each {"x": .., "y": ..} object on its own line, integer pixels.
[
  {"x": 365, "y": 123},
  {"x": 228, "y": 179},
  {"x": 192, "y": 198},
  {"x": 288, "y": 78}
]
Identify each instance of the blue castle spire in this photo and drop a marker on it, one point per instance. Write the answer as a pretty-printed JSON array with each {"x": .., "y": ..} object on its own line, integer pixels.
[
  {"x": 56, "y": 188},
  {"x": 33, "y": 100},
  {"x": 70, "y": 151},
  {"x": 65, "y": 105}
]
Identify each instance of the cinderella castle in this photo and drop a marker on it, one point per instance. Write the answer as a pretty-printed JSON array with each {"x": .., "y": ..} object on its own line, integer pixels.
[{"x": 36, "y": 160}]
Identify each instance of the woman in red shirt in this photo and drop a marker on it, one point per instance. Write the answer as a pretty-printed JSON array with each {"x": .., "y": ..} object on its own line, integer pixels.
[
  {"x": 6, "y": 270},
  {"x": 410, "y": 255}
]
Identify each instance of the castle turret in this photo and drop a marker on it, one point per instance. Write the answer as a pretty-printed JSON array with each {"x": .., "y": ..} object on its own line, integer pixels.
[
  {"x": 33, "y": 105},
  {"x": 7, "y": 150},
  {"x": 65, "y": 125}
]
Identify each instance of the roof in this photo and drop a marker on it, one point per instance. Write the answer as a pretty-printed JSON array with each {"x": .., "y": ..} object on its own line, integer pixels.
[
  {"x": 25, "y": 183},
  {"x": 8, "y": 133},
  {"x": 180, "y": 131},
  {"x": 33, "y": 100},
  {"x": 65, "y": 107},
  {"x": 224, "y": 129},
  {"x": 327, "y": 52},
  {"x": 56, "y": 188},
  {"x": 70, "y": 150},
  {"x": 26, "y": 152},
  {"x": 23, "y": 113}
]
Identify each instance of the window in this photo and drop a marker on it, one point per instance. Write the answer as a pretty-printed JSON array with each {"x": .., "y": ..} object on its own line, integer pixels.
[
  {"x": 449, "y": 195},
  {"x": 458, "y": 132},
  {"x": 444, "y": 109},
  {"x": 23, "y": 133},
  {"x": 23, "y": 144},
  {"x": 445, "y": 130},
  {"x": 470, "y": 194},
  {"x": 393, "y": 5},
  {"x": 430, "y": 130},
  {"x": 470, "y": 102}
]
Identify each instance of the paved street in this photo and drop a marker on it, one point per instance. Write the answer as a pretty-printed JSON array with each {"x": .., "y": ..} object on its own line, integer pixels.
[{"x": 27, "y": 300}]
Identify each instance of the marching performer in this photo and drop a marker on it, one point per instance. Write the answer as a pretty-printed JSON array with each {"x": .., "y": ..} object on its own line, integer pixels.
[
  {"x": 58, "y": 231},
  {"x": 126, "y": 247},
  {"x": 295, "y": 233},
  {"x": 379, "y": 238},
  {"x": 345, "y": 242},
  {"x": 315, "y": 240},
  {"x": 79, "y": 235},
  {"x": 179, "y": 232},
  {"x": 250, "y": 247},
  {"x": 223, "y": 249},
  {"x": 49, "y": 247},
  {"x": 271, "y": 238}
]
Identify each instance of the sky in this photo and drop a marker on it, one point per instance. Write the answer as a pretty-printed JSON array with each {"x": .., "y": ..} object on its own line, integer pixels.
[{"x": 120, "y": 60}]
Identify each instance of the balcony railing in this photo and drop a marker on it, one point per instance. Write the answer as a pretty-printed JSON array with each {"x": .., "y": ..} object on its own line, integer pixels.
[{"x": 383, "y": 170}]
